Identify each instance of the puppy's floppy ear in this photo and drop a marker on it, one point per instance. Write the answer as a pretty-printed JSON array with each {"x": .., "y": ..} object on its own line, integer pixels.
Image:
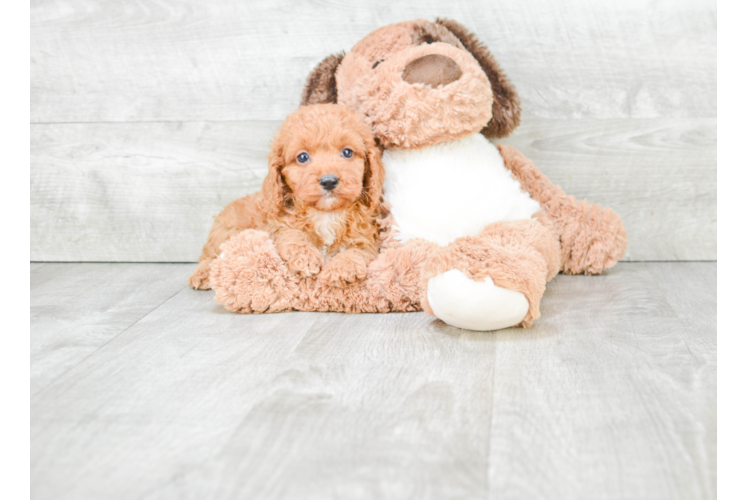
[
  {"x": 506, "y": 106},
  {"x": 373, "y": 175},
  {"x": 274, "y": 188},
  {"x": 320, "y": 85}
]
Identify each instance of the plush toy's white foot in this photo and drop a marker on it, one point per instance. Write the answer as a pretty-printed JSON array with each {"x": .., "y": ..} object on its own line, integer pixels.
[{"x": 459, "y": 301}]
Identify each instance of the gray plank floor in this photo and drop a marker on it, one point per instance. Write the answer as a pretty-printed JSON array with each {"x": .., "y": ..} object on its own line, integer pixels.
[{"x": 145, "y": 389}]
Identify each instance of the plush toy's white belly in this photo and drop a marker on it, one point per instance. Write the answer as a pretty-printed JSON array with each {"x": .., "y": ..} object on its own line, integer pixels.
[{"x": 452, "y": 189}]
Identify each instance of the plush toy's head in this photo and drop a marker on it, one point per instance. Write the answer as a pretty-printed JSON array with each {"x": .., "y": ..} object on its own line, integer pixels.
[{"x": 419, "y": 83}]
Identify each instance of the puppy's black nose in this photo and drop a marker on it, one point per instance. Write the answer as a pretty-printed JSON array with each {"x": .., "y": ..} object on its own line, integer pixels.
[{"x": 329, "y": 182}]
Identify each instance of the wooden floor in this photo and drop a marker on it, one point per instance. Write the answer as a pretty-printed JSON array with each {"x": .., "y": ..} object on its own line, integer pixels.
[{"x": 145, "y": 389}]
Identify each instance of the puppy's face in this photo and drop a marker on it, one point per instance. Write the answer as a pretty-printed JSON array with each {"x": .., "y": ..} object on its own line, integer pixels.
[
  {"x": 323, "y": 155},
  {"x": 327, "y": 171}
]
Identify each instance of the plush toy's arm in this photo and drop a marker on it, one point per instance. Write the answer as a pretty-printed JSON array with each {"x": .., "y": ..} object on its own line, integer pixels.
[{"x": 592, "y": 239}]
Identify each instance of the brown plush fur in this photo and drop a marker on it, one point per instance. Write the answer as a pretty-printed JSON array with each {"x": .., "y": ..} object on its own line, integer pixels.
[
  {"x": 439, "y": 101},
  {"x": 592, "y": 239},
  {"x": 405, "y": 115},
  {"x": 250, "y": 277},
  {"x": 333, "y": 232},
  {"x": 506, "y": 107},
  {"x": 518, "y": 255},
  {"x": 320, "y": 85},
  {"x": 369, "y": 79}
]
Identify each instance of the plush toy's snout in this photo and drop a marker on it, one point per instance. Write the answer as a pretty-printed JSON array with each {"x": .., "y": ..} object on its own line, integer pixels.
[
  {"x": 399, "y": 77},
  {"x": 373, "y": 79},
  {"x": 432, "y": 70}
]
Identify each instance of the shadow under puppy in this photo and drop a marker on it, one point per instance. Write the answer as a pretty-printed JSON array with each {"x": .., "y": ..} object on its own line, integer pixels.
[{"x": 320, "y": 202}]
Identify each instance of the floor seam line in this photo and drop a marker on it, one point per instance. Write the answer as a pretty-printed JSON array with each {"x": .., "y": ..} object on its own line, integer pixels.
[{"x": 41, "y": 391}]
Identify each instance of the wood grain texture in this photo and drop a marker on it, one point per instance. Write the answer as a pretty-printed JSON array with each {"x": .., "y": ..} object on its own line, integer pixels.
[
  {"x": 610, "y": 395},
  {"x": 611, "y": 405},
  {"x": 149, "y": 117},
  {"x": 199, "y": 403},
  {"x": 138, "y": 192},
  {"x": 659, "y": 175},
  {"x": 176, "y": 60},
  {"x": 76, "y": 309},
  {"x": 41, "y": 272},
  {"x": 732, "y": 136},
  {"x": 148, "y": 191},
  {"x": 690, "y": 296}
]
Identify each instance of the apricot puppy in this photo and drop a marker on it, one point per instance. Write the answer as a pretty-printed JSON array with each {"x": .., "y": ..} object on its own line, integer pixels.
[{"x": 320, "y": 201}]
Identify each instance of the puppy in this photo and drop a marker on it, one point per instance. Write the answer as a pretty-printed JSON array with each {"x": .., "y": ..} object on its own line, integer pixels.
[{"x": 320, "y": 201}]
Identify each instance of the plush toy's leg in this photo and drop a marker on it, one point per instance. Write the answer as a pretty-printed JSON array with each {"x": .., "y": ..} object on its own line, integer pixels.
[
  {"x": 592, "y": 238},
  {"x": 494, "y": 280},
  {"x": 394, "y": 278},
  {"x": 250, "y": 277}
]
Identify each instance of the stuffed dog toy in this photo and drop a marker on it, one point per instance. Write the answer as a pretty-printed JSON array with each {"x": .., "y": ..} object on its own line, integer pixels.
[{"x": 471, "y": 232}]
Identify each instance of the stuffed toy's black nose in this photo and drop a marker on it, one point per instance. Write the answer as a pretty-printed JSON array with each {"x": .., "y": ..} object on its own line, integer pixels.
[{"x": 329, "y": 182}]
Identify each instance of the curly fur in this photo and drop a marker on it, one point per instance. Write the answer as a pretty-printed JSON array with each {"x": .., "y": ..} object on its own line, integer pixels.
[
  {"x": 564, "y": 235},
  {"x": 519, "y": 255},
  {"x": 336, "y": 232},
  {"x": 251, "y": 277}
]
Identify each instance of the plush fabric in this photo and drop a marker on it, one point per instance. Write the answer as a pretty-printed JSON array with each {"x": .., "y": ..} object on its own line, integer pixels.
[
  {"x": 406, "y": 115},
  {"x": 424, "y": 87},
  {"x": 250, "y": 277},
  {"x": 452, "y": 189},
  {"x": 592, "y": 238}
]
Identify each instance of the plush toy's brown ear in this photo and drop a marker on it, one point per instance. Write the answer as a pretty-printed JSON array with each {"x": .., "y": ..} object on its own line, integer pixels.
[
  {"x": 373, "y": 176},
  {"x": 320, "y": 84},
  {"x": 506, "y": 108}
]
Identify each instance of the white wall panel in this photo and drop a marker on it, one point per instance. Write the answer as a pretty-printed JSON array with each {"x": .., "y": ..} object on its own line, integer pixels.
[{"x": 149, "y": 116}]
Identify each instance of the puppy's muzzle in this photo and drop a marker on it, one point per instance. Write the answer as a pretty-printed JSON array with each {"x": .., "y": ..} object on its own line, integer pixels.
[
  {"x": 328, "y": 182},
  {"x": 432, "y": 70}
]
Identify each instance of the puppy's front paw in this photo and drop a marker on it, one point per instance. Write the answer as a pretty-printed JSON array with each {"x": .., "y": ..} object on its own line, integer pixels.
[
  {"x": 200, "y": 279},
  {"x": 344, "y": 269},
  {"x": 302, "y": 259}
]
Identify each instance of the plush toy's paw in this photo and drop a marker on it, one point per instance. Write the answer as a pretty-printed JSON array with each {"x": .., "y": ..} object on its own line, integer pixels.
[
  {"x": 344, "y": 269},
  {"x": 200, "y": 279},
  {"x": 455, "y": 279},
  {"x": 303, "y": 259},
  {"x": 474, "y": 305},
  {"x": 595, "y": 243}
]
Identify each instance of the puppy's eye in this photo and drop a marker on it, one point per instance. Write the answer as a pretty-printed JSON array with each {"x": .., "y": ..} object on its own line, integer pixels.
[
  {"x": 377, "y": 63},
  {"x": 347, "y": 152},
  {"x": 302, "y": 158}
]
